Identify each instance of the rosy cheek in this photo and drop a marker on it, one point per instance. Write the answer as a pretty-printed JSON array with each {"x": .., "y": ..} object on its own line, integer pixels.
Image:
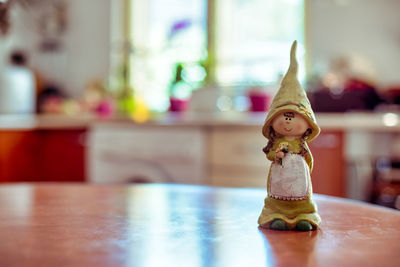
[{"x": 299, "y": 127}]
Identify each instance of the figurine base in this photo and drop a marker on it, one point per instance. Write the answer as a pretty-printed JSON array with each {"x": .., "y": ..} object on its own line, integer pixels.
[
  {"x": 280, "y": 225},
  {"x": 295, "y": 214}
]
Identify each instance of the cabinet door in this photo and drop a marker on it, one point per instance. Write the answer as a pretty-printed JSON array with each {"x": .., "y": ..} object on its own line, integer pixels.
[
  {"x": 236, "y": 157},
  {"x": 239, "y": 146},
  {"x": 18, "y": 149},
  {"x": 46, "y": 155},
  {"x": 329, "y": 164},
  {"x": 158, "y": 153},
  {"x": 62, "y": 155}
]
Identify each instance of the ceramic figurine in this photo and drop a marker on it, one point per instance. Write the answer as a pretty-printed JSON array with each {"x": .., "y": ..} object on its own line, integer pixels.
[{"x": 289, "y": 126}]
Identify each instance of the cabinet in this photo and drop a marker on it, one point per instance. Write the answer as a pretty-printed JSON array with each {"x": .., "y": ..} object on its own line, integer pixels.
[
  {"x": 328, "y": 175},
  {"x": 146, "y": 153},
  {"x": 236, "y": 157},
  {"x": 62, "y": 155},
  {"x": 18, "y": 156},
  {"x": 42, "y": 155},
  {"x": 219, "y": 155}
]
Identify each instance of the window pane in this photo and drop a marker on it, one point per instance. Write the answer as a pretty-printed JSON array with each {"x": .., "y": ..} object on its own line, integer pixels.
[
  {"x": 164, "y": 33},
  {"x": 254, "y": 38}
]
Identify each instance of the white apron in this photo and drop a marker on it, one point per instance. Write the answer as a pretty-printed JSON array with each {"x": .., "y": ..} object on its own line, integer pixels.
[{"x": 290, "y": 181}]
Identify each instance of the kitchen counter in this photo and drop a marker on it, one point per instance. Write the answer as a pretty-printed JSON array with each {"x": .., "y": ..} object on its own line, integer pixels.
[
  {"x": 379, "y": 122},
  {"x": 40, "y": 122}
]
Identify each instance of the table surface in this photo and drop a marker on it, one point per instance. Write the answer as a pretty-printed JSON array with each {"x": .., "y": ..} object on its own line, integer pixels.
[{"x": 182, "y": 225}]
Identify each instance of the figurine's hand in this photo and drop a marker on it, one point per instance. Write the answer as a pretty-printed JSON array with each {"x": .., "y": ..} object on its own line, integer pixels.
[{"x": 280, "y": 154}]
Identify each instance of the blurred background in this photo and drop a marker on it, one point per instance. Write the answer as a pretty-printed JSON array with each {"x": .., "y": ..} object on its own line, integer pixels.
[{"x": 173, "y": 91}]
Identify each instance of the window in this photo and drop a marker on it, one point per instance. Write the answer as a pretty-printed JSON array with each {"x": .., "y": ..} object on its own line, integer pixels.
[
  {"x": 251, "y": 44},
  {"x": 253, "y": 39},
  {"x": 167, "y": 34}
]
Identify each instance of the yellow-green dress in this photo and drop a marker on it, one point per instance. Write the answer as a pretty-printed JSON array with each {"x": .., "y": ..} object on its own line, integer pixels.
[{"x": 289, "y": 186}]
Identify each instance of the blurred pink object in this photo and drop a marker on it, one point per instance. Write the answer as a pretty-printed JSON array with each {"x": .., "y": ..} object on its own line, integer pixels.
[
  {"x": 178, "y": 105},
  {"x": 259, "y": 100},
  {"x": 105, "y": 108}
]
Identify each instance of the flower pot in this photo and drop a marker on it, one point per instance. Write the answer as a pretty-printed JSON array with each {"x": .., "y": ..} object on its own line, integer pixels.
[
  {"x": 178, "y": 105},
  {"x": 259, "y": 101}
]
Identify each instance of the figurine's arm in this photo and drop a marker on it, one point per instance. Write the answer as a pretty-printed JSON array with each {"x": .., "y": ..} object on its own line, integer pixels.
[
  {"x": 269, "y": 151},
  {"x": 271, "y": 155},
  {"x": 308, "y": 157}
]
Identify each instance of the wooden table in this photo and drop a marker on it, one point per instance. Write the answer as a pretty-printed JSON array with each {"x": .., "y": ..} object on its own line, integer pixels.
[{"x": 179, "y": 225}]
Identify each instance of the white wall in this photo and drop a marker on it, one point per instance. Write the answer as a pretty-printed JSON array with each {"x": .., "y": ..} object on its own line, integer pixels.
[
  {"x": 85, "y": 48},
  {"x": 88, "y": 42},
  {"x": 368, "y": 28}
]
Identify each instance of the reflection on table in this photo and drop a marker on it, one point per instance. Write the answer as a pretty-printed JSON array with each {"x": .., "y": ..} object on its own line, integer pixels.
[{"x": 182, "y": 225}]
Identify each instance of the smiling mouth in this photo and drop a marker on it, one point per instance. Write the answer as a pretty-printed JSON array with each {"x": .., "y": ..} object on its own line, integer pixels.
[{"x": 288, "y": 129}]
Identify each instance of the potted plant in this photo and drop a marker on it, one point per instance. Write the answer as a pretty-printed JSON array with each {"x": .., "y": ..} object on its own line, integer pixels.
[{"x": 179, "y": 90}]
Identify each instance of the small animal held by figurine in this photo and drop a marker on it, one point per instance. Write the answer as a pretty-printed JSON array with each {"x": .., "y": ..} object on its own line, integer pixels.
[{"x": 289, "y": 127}]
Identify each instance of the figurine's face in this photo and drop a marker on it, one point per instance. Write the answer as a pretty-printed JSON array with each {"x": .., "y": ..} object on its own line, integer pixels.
[{"x": 290, "y": 124}]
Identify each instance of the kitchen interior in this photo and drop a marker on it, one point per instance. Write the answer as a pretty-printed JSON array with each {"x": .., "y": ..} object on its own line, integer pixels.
[{"x": 173, "y": 91}]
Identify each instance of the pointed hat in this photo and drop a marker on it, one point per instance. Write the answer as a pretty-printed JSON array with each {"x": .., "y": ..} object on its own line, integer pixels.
[{"x": 291, "y": 97}]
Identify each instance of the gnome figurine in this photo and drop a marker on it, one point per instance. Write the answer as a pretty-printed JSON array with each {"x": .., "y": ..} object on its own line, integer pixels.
[{"x": 289, "y": 126}]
